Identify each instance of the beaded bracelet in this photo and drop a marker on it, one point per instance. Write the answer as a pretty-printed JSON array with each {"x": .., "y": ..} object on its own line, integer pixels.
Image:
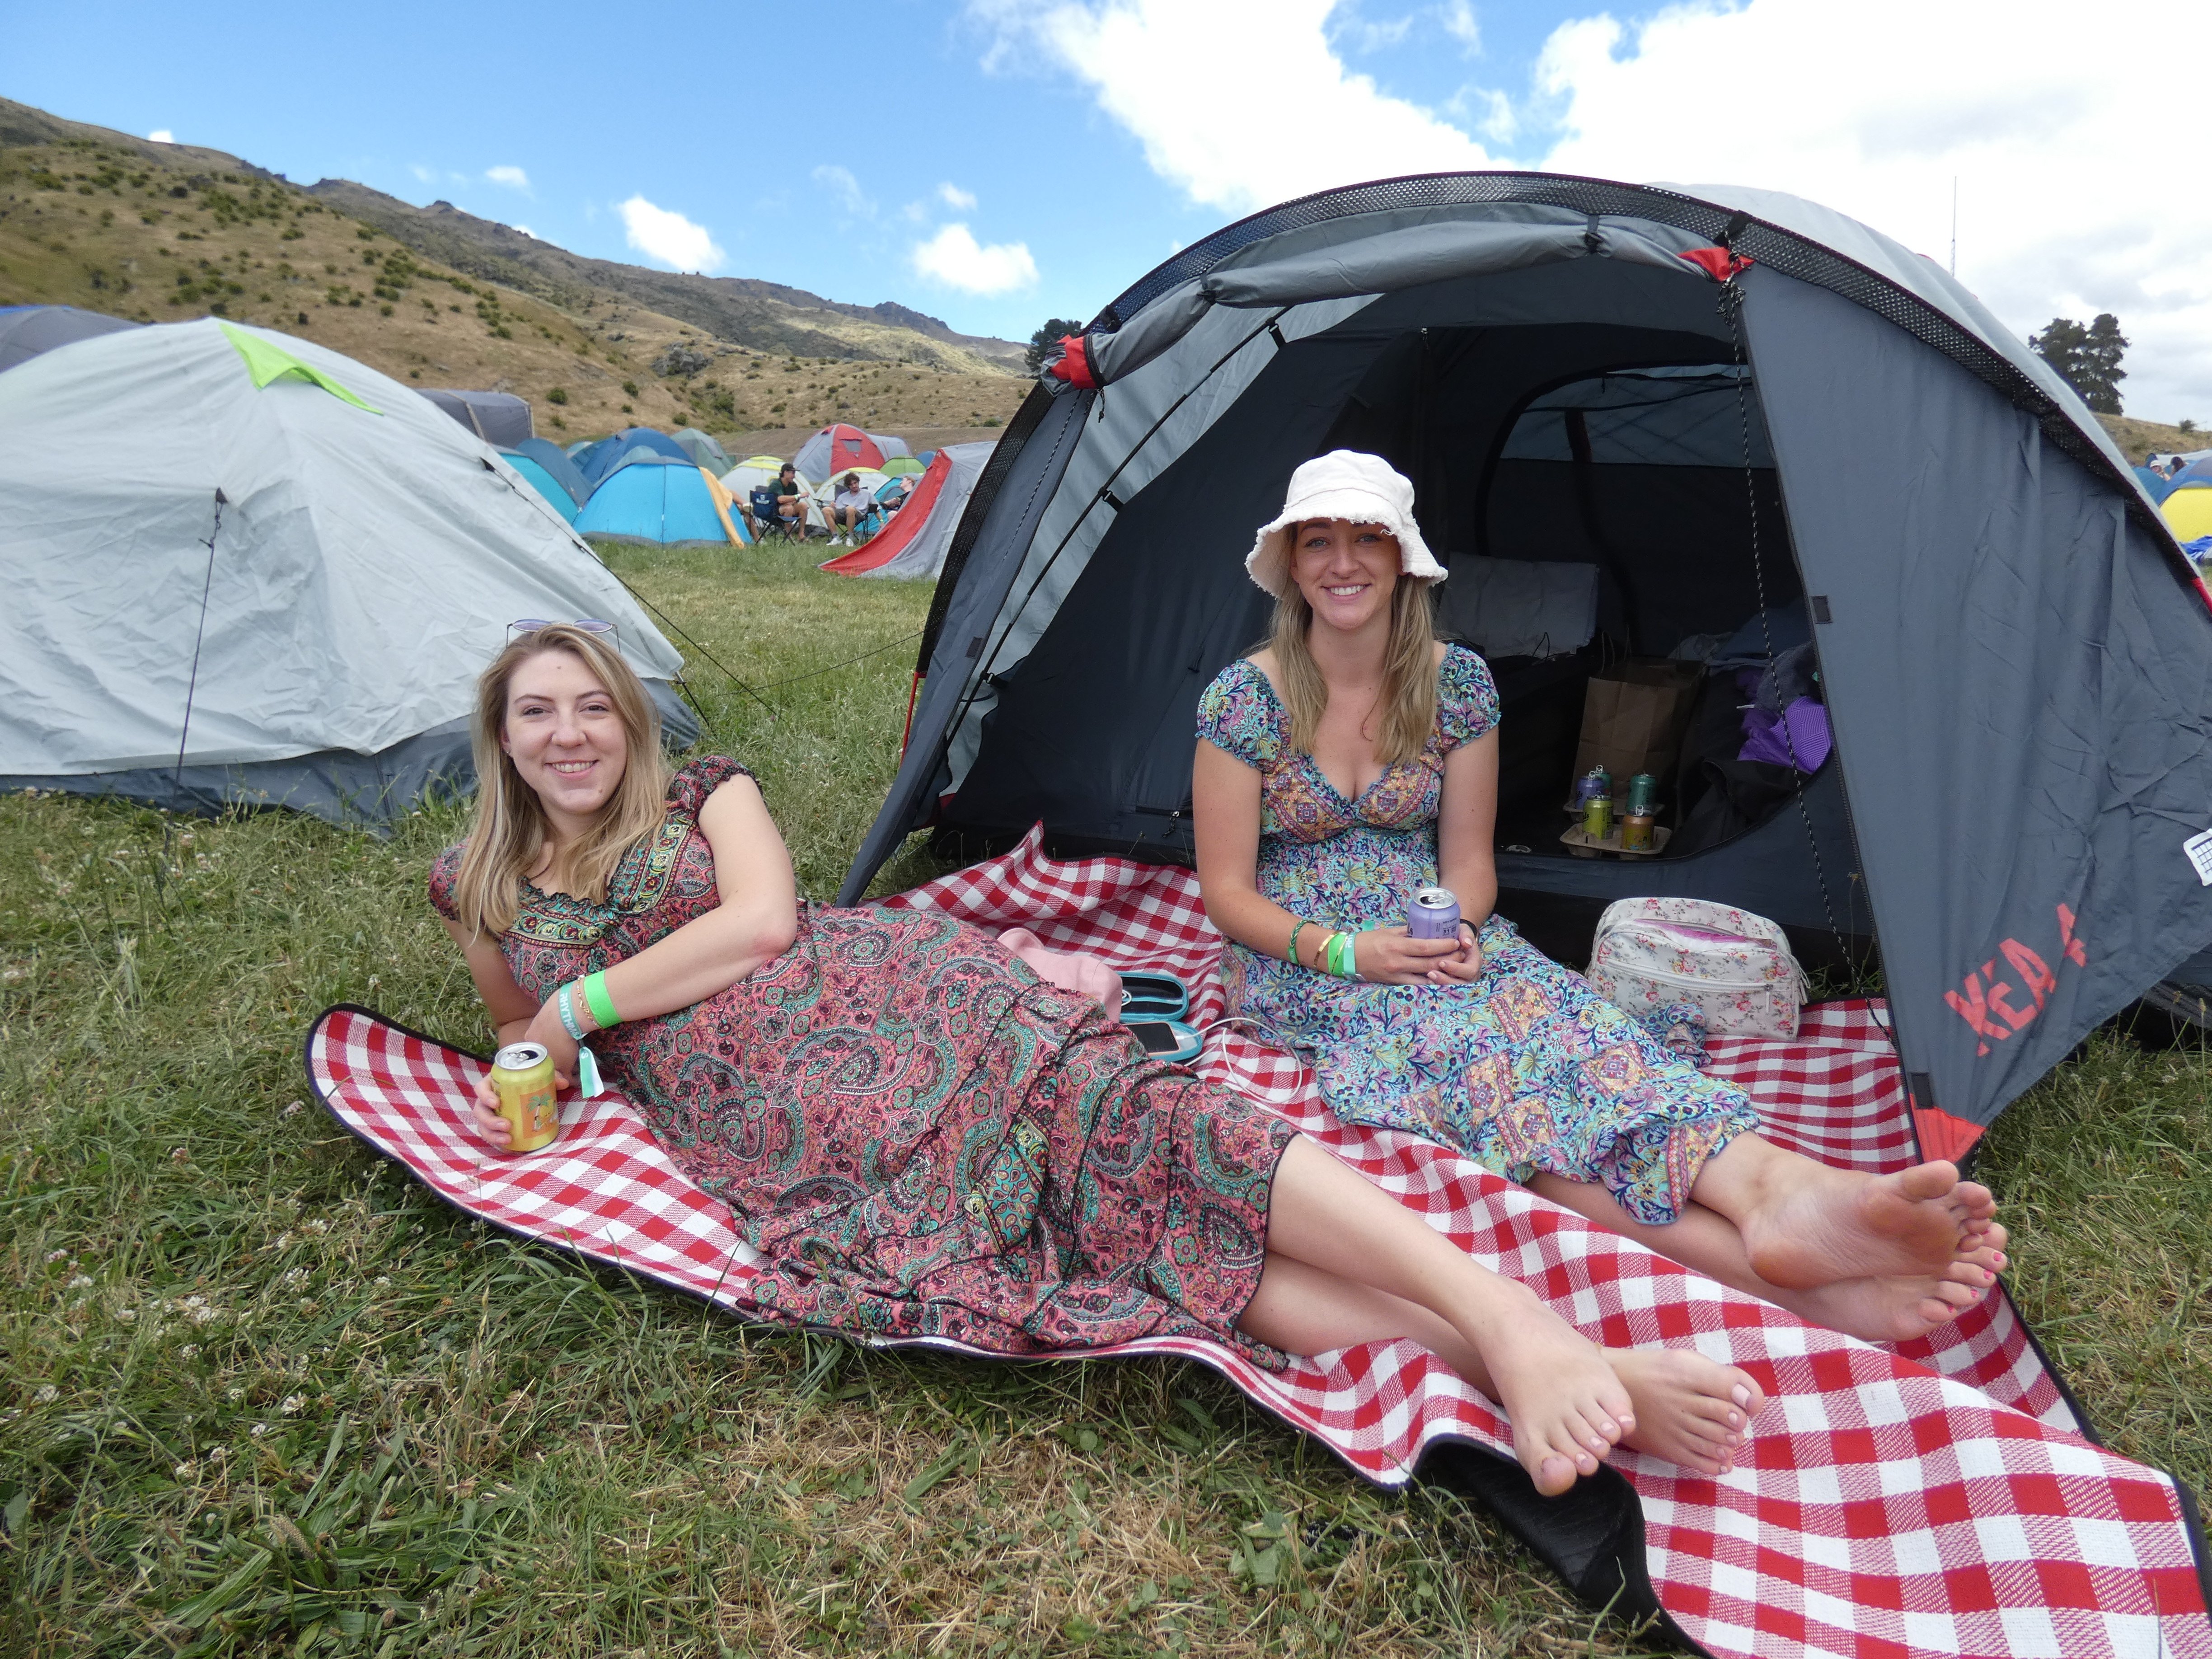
[
  {"x": 567, "y": 1013},
  {"x": 1291, "y": 955},
  {"x": 601, "y": 1005}
]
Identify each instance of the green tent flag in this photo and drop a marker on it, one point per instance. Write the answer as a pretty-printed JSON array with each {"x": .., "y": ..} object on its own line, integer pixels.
[{"x": 265, "y": 361}]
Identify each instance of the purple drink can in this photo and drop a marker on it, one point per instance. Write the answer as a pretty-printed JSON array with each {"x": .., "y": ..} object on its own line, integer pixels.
[{"x": 1434, "y": 913}]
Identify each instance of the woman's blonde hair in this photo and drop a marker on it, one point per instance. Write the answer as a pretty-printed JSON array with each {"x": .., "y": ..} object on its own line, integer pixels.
[
  {"x": 1408, "y": 697},
  {"x": 508, "y": 835}
]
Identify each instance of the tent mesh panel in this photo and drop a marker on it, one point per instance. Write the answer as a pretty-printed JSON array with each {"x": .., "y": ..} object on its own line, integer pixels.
[{"x": 1784, "y": 250}]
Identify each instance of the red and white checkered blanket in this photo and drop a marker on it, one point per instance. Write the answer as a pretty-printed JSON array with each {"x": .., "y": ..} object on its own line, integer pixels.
[{"x": 1935, "y": 1498}]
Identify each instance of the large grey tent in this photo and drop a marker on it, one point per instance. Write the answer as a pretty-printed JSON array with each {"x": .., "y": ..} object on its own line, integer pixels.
[
  {"x": 499, "y": 418},
  {"x": 285, "y": 597},
  {"x": 26, "y": 331},
  {"x": 1738, "y": 413}
]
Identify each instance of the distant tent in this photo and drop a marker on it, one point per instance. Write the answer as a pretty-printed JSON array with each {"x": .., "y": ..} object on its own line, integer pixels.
[
  {"x": 604, "y": 456},
  {"x": 578, "y": 447},
  {"x": 649, "y": 498},
  {"x": 544, "y": 482},
  {"x": 837, "y": 449},
  {"x": 26, "y": 331},
  {"x": 915, "y": 543},
  {"x": 2189, "y": 510},
  {"x": 829, "y": 489},
  {"x": 499, "y": 418},
  {"x": 2198, "y": 471},
  {"x": 900, "y": 465},
  {"x": 2156, "y": 485},
  {"x": 287, "y": 595},
  {"x": 555, "y": 462},
  {"x": 703, "y": 450}
]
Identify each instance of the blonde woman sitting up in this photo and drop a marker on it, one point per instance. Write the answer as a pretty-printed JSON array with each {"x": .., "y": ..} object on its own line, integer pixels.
[
  {"x": 923, "y": 1133},
  {"x": 1353, "y": 761}
]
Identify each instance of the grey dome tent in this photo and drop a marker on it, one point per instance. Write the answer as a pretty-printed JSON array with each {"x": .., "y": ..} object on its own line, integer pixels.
[
  {"x": 499, "y": 418},
  {"x": 26, "y": 331},
  {"x": 1735, "y": 412},
  {"x": 285, "y": 598}
]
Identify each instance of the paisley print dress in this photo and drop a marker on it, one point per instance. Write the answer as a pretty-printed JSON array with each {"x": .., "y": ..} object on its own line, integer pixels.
[
  {"x": 1525, "y": 1069},
  {"x": 921, "y": 1137}
]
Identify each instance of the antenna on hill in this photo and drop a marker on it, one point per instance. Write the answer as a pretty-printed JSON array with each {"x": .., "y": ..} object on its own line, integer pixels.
[{"x": 1954, "y": 224}]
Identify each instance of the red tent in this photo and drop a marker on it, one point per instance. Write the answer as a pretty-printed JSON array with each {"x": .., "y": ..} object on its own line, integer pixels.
[
  {"x": 837, "y": 449},
  {"x": 914, "y": 542}
]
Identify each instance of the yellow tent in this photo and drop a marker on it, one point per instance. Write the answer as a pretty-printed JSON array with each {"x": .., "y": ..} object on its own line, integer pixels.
[{"x": 2189, "y": 510}]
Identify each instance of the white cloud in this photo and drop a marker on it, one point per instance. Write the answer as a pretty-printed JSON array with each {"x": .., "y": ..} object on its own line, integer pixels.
[
  {"x": 2068, "y": 205},
  {"x": 161, "y": 135},
  {"x": 1459, "y": 22},
  {"x": 1289, "y": 117},
  {"x": 2064, "y": 208},
  {"x": 841, "y": 183},
  {"x": 959, "y": 200},
  {"x": 954, "y": 258},
  {"x": 422, "y": 174},
  {"x": 526, "y": 230},
  {"x": 513, "y": 178},
  {"x": 668, "y": 237}
]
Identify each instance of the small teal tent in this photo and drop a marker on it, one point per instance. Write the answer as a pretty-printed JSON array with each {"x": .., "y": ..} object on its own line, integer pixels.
[
  {"x": 544, "y": 482},
  {"x": 2156, "y": 485},
  {"x": 554, "y": 461},
  {"x": 650, "y": 499}
]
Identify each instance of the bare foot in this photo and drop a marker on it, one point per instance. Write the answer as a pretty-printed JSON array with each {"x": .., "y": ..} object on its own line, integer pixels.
[
  {"x": 1689, "y": 1410},
  {"x": 1891, "y": 1309},
  {"x": 1566, "y": 1405},
  {"x": 1823, "y": 1226}
]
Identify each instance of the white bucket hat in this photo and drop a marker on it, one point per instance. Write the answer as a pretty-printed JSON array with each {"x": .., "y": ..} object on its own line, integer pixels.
[{"x": 1342, "y": 484}]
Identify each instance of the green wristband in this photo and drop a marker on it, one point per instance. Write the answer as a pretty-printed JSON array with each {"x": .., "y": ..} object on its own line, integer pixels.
[
  {"x": 1291, "y": 955},
  {"x": 597, "y": 999},
  {"x": 1339, "y": 956}
]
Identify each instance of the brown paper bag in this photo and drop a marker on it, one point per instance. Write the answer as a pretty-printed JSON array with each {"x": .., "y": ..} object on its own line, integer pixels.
[{"x": 1633, "y": 718}]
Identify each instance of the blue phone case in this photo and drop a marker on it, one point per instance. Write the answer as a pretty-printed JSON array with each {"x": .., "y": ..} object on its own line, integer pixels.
[{"x": 1149, "y": 995}]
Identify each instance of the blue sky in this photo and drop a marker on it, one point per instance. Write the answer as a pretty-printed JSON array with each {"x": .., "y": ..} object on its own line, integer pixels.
[
  {"x": 387, "y": 93},
  {"x": 996, "y": 162}
]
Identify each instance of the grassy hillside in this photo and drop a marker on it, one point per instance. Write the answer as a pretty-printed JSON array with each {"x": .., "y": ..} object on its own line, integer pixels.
[
  {"x": 164, "y": 233},
  {"x": 2140, "y": 440}
]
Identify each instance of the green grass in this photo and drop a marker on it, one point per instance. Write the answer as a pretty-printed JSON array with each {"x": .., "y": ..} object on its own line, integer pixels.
[{"x": 263, "y": 1396}]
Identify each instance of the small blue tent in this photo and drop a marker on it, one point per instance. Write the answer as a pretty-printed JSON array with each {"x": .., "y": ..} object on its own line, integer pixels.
[
  {"x": 2159, "y": 487},
  {"x": 555, "y": 462},
  {"x": 544, "y": 482},
  {"x": 650, "y": 499},
  {"x": 604, "y": 456}
]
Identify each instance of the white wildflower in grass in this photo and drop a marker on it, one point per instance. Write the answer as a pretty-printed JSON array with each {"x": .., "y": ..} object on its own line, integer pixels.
[
  {"x": 186, "y": 1471},
  {"x": 260, "y": 1430},
  {"x": 383, "y": 1283},
  {"x": 237, "y": 1395},
  {"x": 179, "y": 1155},
  {"x": 56, "y": 1255},
  {"x": 47, "y": 1395},
  {"x": 292, "y": 1404},
  {"x": 189, "y": 1350},
  {"x": 283, "y": 1239},
  {"x": 193, "y": 1302},
  {"x": 315, "y": 1226},
  {"x": 204, "y": 1315},
  {"x": 127, "y": 1316},
  {"x": 80, "y": 1281},
  {"x": 295, "y": 1276},
  {"x": 295, "y": 1109}
]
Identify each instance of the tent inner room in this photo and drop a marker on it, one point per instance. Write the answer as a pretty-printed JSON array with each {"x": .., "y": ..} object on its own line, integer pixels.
[{"x": 1591, "y": 463}]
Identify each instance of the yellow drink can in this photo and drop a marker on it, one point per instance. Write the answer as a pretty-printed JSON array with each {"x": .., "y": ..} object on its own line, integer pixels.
[{"x": 522, "y": 1077}]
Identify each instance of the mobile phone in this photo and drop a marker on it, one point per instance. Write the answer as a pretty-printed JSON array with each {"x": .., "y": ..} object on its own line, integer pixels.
[{"x": 1167, "y": 1039}]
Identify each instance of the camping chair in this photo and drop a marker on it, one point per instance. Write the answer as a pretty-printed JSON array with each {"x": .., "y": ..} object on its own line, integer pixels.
[{"x": 760, "y": 503}]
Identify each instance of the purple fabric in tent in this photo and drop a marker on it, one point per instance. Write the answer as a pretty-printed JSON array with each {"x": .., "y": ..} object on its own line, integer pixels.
[{"x": 1804, "y": 746}]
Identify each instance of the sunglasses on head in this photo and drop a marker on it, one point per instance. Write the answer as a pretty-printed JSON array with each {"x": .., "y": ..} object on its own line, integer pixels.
[{"x": 605, "y": 630}]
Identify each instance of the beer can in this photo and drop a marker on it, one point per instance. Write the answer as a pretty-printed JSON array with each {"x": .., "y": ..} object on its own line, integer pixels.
[
  {"x": 1434, "y": 913},
  {"x": 1597, "y": 817},
  {"x": 1643, "y": 794},
  {"x": 1636, "y": 832},
  {"x": 1596, "y": 781},
  {"x": 522, "y": 1077}
]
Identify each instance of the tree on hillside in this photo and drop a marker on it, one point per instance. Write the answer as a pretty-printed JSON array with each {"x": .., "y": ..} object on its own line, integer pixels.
[
  {"x": 1042, "y": 343},
  {"x": 2087, "y": 359}
]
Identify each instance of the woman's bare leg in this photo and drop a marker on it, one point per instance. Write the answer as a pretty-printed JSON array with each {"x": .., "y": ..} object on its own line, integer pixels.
[
  {"x": 1805, "y": 1225},
  {"x": 1303, "y": 1310},
  {"x": 1567, "y": 1406},
  {"x": 1876, "y": 1309}
]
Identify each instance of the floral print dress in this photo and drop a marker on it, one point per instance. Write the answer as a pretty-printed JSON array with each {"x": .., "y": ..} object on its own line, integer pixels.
[
  {"x": 921, "y": 1137},
  {"x": 1526, "y": 1068}
]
